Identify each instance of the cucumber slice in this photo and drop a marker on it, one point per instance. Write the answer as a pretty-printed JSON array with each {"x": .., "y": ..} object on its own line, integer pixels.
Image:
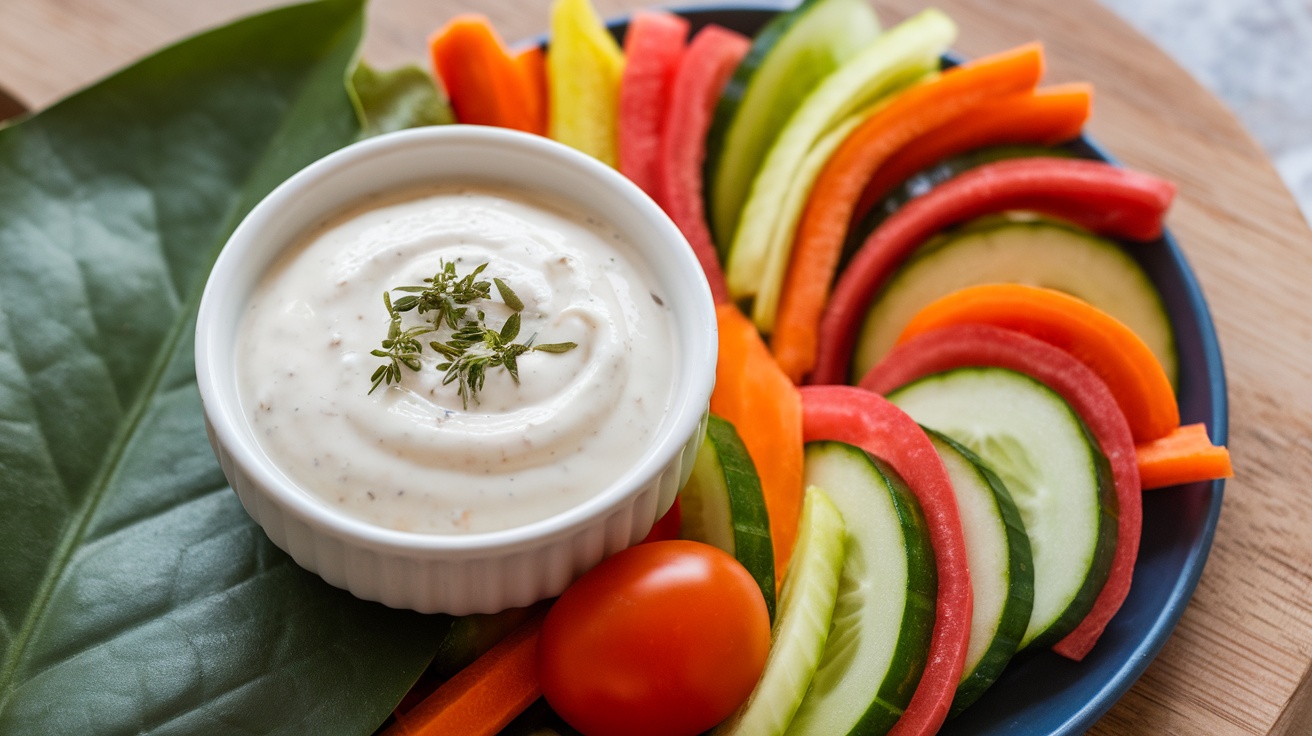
[
  {"x": 904, "y": 54},
  {"x": 884, "y": 617},
  {"x": 1029, "y": 251},
  {"x": 797, "y": 639},
  {"x": 722, "y": 505},
  {"x": 787, "y": 60},
  {"x": 1001, "y": 568},
  {"x": 1059, "y": 479}
]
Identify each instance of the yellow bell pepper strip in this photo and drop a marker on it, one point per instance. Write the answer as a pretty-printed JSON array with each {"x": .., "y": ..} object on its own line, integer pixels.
[{"x": 584, "y": 68}]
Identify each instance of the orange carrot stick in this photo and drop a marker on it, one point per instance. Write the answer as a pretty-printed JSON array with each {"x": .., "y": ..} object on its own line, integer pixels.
[
  {"x": 486, "y": 85},
  {"x": 766, "y": 409},
  {"x": 833, "y": 198},
  {"x": 532, "y": 64},
  {"x": 1043, "y": 117},
  {"x": 1186, "y": 455},
  {"x": 483, "y": 698},
  {"x": 1102, "y": 342}
]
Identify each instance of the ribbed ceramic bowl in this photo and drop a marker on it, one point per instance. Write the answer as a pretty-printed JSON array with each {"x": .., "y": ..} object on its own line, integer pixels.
[{"x": 481, "y": 572}]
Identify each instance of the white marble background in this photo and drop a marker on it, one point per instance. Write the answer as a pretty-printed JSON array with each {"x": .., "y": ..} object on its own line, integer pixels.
[{"x": 1256, "y": 55}]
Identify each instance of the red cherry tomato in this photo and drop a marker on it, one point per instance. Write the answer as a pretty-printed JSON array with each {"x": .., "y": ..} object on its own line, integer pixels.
[{"x": 662, "y": 639}]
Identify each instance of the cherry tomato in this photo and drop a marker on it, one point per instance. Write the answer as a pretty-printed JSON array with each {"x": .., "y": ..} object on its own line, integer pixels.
[{"x": 662, "y": 639}]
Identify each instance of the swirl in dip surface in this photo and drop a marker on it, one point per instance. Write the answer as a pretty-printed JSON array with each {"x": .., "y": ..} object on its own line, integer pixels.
[{"x": 409, "y": 456}]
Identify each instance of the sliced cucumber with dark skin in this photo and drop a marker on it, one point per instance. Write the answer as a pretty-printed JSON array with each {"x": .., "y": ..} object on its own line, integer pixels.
[
  {"x": 1057, "y": 475},
  {"x": 1025, "y": 250},
  {"x": 1001, "y": 568},
  {"x": 806, "y": 608},
  {"x": 884, "y": 617},
  {"x": 722, "y": 505},
  {"x": 787, "y": 60}
]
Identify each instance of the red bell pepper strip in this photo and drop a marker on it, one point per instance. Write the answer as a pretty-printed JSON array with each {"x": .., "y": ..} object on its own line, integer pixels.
[
  {"x": 818, "y": 243},
  {"x": 653, "y": 46},
  {"x": 1042, "y": 117},
  {"x": 666, "y": 527},
  {"x": 1111, "y": 201},
  {"x": 709, "y": 62},
  {"x": 866, "y": 419},
  {"x": 984, "y": 345},
  {"x": 487, "y": 86}
]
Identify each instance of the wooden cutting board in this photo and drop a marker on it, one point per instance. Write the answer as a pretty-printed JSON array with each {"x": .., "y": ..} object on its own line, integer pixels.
[{"x": 1238, "y": 662}]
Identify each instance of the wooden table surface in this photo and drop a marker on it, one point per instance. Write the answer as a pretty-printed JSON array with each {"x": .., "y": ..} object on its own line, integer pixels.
[{"x": 1235, "y": 663}]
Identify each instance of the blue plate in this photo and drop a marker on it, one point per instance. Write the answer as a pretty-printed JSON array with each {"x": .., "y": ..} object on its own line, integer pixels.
[{"x": 1047, "y": 694}]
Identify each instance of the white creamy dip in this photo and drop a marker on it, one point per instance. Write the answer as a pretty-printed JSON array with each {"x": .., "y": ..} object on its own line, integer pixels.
[{"x": 409, "y": 456}]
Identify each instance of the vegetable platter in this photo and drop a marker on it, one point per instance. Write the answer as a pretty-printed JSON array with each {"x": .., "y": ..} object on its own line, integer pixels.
[{"x": 1109, "y": 92}]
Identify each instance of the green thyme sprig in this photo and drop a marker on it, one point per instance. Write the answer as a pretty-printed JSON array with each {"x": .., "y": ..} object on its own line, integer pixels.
[
  {"x": 473, "y": 348},
  {"x": 447, "y": 295},
  {"x": 400, "y": 348}
]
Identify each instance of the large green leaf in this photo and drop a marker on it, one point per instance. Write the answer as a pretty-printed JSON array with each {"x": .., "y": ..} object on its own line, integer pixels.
[{"x": 135, "y": 593}]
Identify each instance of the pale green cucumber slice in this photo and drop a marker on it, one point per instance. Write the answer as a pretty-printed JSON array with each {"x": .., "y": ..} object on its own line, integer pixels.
[
  {"x": 1057, "y": 475},
  {"x": 722, "y": 505},
  {"x": 1028, "y": 251},
  {"x": 766, "y": 305},
  {"x": 1001, "y": 568},
  {"x": 896, "y": 58},
  {"x": 884, "y": 618},
  {"x": 806, "y": 609},
  {"x": 787, "y": 60}
]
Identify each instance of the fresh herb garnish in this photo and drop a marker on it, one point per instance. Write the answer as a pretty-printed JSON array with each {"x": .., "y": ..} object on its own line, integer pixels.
[{"x": 473, "y": 348}]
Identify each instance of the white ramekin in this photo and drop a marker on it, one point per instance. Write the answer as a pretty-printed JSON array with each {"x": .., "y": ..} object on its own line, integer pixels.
[{"x": 469, "y": 573}]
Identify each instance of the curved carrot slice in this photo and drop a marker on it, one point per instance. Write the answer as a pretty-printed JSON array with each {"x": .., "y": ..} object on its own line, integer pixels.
[
  {"x": 1120, "y": 358},
  {"x": 532, "y": 63},
  {"x": 653, "y": 47},
  {"x": 820, "y": 235},
  {"x": 1043, "y": 117},
  {"x": 766, "y": 409},
  {"x": 1186, "y": 455},
  {"x": 706, "y": 67},
  {"x": 1108, "y": 200},
  {"x": 486, "y": 85},
  {"x": 485, "y": 697}
]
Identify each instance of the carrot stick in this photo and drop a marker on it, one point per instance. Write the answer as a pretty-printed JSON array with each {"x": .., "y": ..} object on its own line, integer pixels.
[
  {"x": 532, "y": 64},
  {"x": 766, "y": 409},
  {"x": 1102, "y": 342},
  {"x": 1043, "y": 117},
  {"x": 486, "y": 85},
  {"x": 483, "y": 698},
  {"x": 819, "y": 241},
  {"x": 1186, "y": 455}
]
